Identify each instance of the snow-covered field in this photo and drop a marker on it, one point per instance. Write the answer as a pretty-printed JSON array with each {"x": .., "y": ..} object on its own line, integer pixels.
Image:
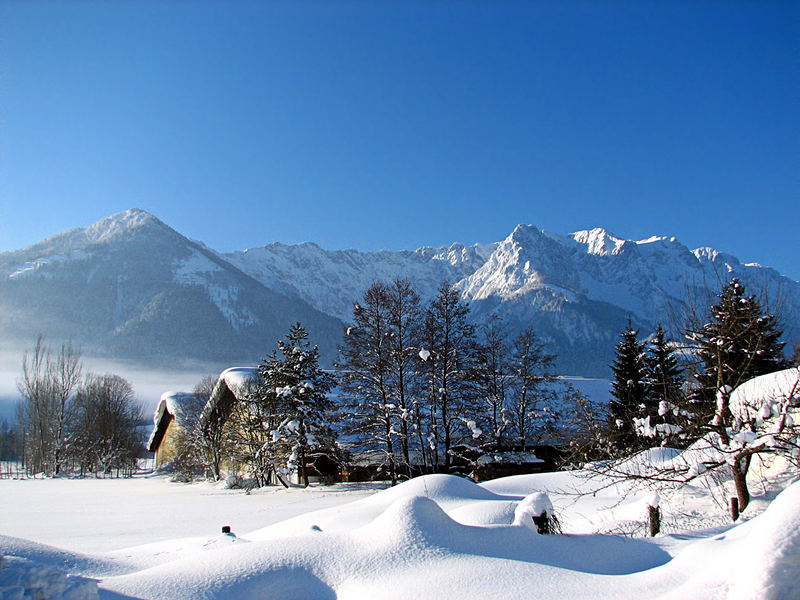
[{"x": 433, "y": 537}]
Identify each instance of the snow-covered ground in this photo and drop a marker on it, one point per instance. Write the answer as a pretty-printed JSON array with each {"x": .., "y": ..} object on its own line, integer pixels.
[{"x": 432, "y": 537}]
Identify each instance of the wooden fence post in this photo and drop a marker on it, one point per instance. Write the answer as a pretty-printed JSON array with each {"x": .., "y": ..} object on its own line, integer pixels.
[
  {"x": 734, "y": 508},
  {"x": 654, "y": 516}
]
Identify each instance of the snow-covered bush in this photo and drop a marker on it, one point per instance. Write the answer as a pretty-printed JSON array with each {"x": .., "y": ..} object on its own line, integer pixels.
[{"x": 536, "y": 512}]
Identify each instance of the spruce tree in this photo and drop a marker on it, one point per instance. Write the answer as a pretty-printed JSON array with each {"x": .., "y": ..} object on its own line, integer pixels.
[
  {"x": 664, "y": 373},
  {"x": 629, "y": 389},
  {"x": 295, "y": 391},
  {"x": 740, "y": 341},
  {"x": 665, "y": 379}
]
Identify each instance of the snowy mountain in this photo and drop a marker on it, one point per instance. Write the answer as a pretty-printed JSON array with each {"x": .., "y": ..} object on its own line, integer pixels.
[
  {"x": 133, "y": 287},
  {"x": 129, "y": 286},
  {"x": 333, "y": 280},
  {"x": 577, "y": 289}
]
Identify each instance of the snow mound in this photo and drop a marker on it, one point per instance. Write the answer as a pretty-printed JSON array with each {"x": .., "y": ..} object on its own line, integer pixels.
[
  {"x": 760, "y": 393},
  {"x": 770, "y": 569},
  {"x": 439, "y": 487},
  {"x": 411, "y": 522},
  {"x": 21, "y": 579},
  {"x": 58, "y": 559}
]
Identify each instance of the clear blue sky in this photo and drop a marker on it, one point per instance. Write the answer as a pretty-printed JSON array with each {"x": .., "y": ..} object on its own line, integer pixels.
[{"x": 392, "y": 125}]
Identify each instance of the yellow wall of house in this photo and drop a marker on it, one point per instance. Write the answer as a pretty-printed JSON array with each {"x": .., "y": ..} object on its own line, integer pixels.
[{"x": 168, "y": 447}]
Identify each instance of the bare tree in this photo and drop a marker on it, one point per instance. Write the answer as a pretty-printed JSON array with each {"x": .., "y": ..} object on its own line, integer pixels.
[
  {"x": 108, "y": 414},
  {"x": 453, "y": 356},
  {"x": 493, "y": 374},
  {"x": 583, "y": 429},
  {"x": 371, "y": 416},
  {"x": 532, "y": 401},
  {"x": 200, "y": 445},
  {"x": 47, "y": 387},
  {"x": 404, "y": 316}
]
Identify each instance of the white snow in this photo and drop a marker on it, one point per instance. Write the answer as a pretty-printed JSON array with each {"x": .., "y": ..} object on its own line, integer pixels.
[
  {"x": 437, "y": 536},
  {"x": 239, "y": 377},
  {"x": 533, "y": 505},
  {"x": 21, "y": 578},
  {"x": 765, "y": 394}
]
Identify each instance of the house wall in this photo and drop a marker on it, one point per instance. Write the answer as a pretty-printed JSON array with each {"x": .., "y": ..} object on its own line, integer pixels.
[{"x": 168, "y": 447}]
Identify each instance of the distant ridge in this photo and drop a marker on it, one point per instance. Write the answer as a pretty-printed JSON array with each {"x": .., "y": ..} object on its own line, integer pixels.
[{"x": 132, "y": 287}]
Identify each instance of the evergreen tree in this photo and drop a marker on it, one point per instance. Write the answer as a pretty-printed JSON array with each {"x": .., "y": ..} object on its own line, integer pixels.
[
  {"x": 665, "y": 379},
  {"x": 294, "y": 392},
  {"x": 664, "y": 373},
  {"x": 629, "y": 389},
  {"x": 740, "y": 341}
]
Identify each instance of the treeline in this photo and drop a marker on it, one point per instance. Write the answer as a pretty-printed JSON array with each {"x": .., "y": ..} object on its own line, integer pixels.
[
  {"x": 420, "y": 383},
  {"x": 677, "y": 393},
  {"x": 418, "y": 387},
  {"x": 71, "y": 422}
]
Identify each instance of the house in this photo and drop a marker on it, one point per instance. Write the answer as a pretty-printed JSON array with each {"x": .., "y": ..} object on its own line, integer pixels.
[
  {"x": 231, "y": 386},
  {"x": 176, "y": 413}
]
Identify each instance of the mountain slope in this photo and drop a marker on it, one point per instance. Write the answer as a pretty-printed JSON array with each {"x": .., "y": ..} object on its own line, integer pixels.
[
  {"x": 333, "y": 280},
  {"x": 129, "y": 286},
  {"x": 577, "y": 290}
]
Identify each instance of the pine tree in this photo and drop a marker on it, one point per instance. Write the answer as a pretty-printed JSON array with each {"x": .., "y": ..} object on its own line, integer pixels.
[
  {"x": 740, "y": 341},
  {"x": 629, "y": 388},
  {"x": 294, "y": 390},
  {"x": 665, "y": 379}
]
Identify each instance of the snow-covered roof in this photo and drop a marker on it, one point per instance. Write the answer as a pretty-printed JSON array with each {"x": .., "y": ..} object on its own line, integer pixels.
[
  {"x": 512, "y": 458},
  {"x": 182, "y": 406},
  {"x": 239, "y": 377},
  {"x": 231, "y": 381},
  {"x": 748, "y": 399}
]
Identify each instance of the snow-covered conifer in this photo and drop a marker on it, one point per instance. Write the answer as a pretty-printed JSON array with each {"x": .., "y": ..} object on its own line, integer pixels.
[{"x": 629, "y": 389}]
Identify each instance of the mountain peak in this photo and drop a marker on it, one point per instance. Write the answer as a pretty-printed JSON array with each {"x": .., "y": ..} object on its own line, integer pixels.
[
  {"x": 599, "y": 241},
  {"x": 128, "y": 220}
]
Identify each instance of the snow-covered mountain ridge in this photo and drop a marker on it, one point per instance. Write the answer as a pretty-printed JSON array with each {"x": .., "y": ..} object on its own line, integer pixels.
[
  {"x": 577, "y": 289},
  {"x": 129, "y": 286}
]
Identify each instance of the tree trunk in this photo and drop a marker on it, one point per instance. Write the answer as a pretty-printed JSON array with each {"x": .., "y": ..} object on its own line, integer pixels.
[{"x": 740, "y": 481}]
